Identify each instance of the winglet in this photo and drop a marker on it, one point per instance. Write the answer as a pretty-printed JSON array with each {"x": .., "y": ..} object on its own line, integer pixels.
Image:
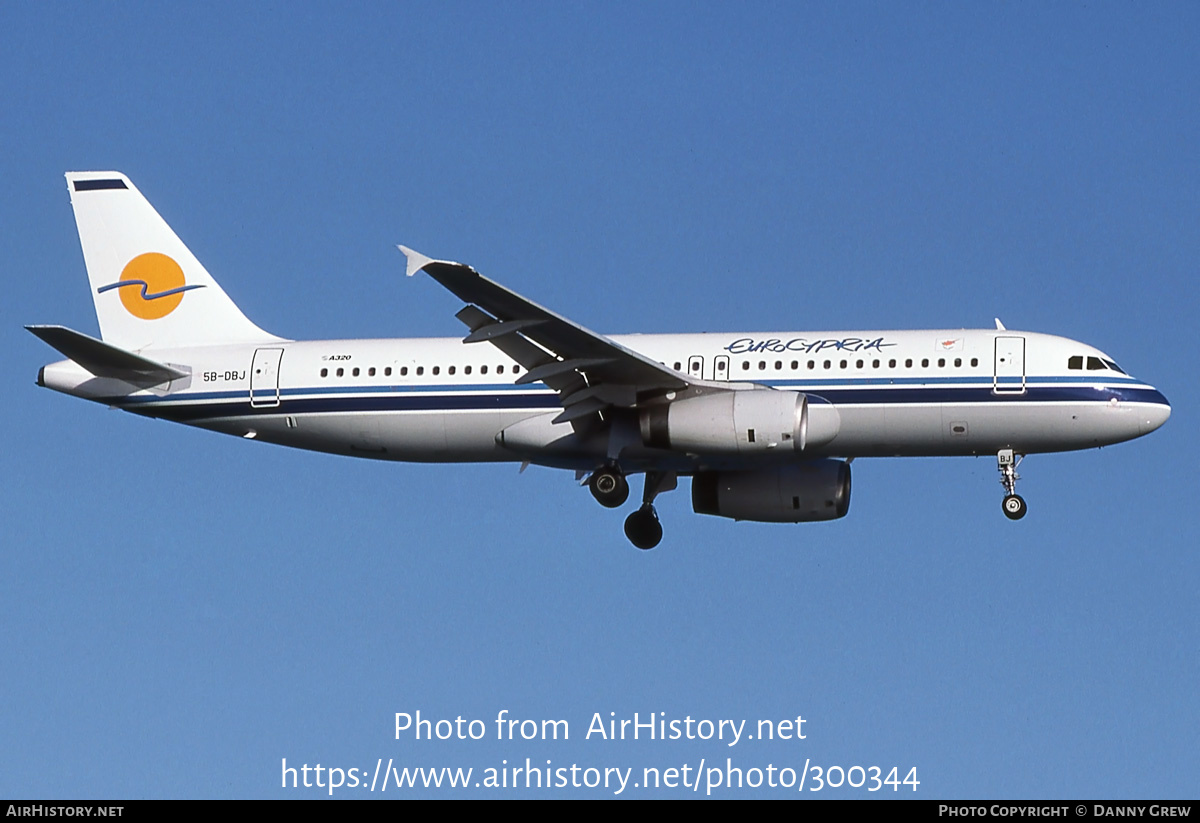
[{"x": 416, "y": 260}]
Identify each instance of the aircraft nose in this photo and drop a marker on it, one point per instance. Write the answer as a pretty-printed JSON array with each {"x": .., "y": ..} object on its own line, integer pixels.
[{"x": 1151, "y": 417}]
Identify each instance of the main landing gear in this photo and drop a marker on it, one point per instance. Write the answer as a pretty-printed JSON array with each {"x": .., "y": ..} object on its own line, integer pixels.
[
  {"x": 1013, "y": 504},
  {"x": 642, "y": 527},
  {"x": 610, "y": 488}
]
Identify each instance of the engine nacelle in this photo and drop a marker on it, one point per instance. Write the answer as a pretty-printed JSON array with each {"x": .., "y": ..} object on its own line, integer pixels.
[
  {"x": 753, "y": 421},
  {"x": 800, "y": 493},
  {"x": 734, "y": 422}
]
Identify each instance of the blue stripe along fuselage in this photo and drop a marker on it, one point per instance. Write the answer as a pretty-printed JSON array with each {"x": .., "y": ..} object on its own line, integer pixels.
[{"x": 215, "y": 405}]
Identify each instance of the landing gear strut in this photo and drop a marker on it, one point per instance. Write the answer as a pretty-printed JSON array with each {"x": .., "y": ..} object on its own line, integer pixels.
[
  {"x": 1013, "y": 504},
  {"x": 609, "y": 486},
  {"x": 642, "y": 527}
]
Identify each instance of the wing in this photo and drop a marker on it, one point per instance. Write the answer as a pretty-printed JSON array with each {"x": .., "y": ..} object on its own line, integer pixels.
[{"x": 589, "y": 371}]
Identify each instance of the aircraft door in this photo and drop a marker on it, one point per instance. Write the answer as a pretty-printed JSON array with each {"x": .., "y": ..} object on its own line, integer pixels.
[
  {"x": 696, "y": 366},
  {"x": 264, "y": 378},
  {"x": 1010, "y": 366},
  {"x": 721, "y": 367}
]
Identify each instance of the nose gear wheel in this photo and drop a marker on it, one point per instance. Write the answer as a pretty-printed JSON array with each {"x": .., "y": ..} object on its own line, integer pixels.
[{"x": 1013, "y": 504}]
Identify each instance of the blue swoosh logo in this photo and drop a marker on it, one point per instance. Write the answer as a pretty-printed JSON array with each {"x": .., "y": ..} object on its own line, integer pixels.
[{"x": 146, "y": 294}]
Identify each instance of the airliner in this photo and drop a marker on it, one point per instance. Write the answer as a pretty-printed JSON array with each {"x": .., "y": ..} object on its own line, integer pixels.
[{"x": 765, "y": 424}]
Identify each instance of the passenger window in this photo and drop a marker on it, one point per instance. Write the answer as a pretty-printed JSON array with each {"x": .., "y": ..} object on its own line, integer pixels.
[
  {"x": 516, "y": 369},
  {"x": 778, "y": 365},
  {"x": 324, "y": 372},
  {"x": 762, "y": 365},
  {"x": 500, "y": 369},
  {"x": 941, "y": 362},
  {"x": 925, "y": 363},
  {"x": 795, "y": 365},
  {"x": 340, "y": 372},
  {"x": 812, "y": 364},
  {"x": 874, "y": 364},
  {"x": 466, "y": 369},
  {"x": 436, "y": 369},
  {"x": 677, "y": 365},
  {"x": 843, "y": 364},
  {"x": 908, "y": 363},
  {"x": 403, "y": 371},
  {"x": 371, "y": 372},
  {"x": 957, "y": 362},
  {"x": 745, "y": 365},
  {"x": 974, "y": 361},
  {"x": 859, "y": 365},
  {"x": 483, "y": 369},
  {"x": 355, "y": 372},
  {"x": 827, "y": 364},
  {"x": 1075, "y": 362},
  {"x": 891, "y": 364},
  {"x": 450, "y": 370},
  {"x": 420, "y": 370}
]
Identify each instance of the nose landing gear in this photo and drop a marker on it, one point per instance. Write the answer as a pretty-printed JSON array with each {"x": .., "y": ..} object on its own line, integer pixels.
[{"x": 1013, "y": 504}]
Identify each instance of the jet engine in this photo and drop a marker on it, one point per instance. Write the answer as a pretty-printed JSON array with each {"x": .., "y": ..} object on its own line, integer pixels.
[
  {"x": 800, "y": 493},
  {"x": 753, "y": 421}
]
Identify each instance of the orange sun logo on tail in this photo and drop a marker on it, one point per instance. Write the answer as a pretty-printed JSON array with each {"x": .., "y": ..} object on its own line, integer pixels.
[{"x": 152, "y": 286}]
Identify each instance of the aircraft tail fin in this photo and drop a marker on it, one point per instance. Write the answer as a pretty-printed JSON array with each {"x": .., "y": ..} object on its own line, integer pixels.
[{"x": 150, "y": 291}]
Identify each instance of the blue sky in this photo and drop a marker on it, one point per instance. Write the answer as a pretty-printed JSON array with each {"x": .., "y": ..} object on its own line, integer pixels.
[{"x": 182, "y": 610}]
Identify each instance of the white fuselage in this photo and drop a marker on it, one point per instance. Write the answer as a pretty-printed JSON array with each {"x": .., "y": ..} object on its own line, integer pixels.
[
  {"x": 757, "y": 420},
  {"x": 901, "y": 393}
]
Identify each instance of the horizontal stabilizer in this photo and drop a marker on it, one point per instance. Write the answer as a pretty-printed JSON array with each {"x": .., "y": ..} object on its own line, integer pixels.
[{"x": 105, "y": 360}]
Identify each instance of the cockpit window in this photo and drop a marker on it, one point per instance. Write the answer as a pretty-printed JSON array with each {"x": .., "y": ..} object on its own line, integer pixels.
[{"x": 1093, "y": 364}]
